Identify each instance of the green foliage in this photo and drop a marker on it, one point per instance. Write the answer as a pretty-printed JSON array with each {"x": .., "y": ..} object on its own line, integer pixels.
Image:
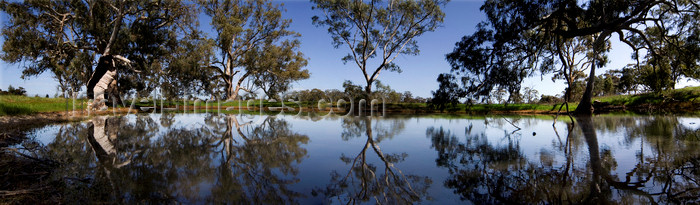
[
  {"x": 530, "y": 95},
  {"x": 609, "y": 83},
  {"x": 548, "y": 99},
  {"x": 353, "y": 91},
  {"x": 573, "y": 58},
  {"x": 253, "y": 40},
  {"x": 386, "y": 93},
  {"x": 186, "y": 71},
  {"x": 275, "y": 72},
  {"x": 376, "y": 29},
  {"x": 13, "y": 91},
  {"x": 408, "y": 97},
  {"x": 448, "y": 93},
  {"x": 521, "y": 38},
  {"x": 672, "y": 56},
  {"x": 64, "y": 37},
  {"x": 313, "y": 95},
  {"x": 655, "y": 78}
]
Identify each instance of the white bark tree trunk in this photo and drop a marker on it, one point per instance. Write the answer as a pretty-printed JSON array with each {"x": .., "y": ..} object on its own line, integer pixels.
[
  {"x": 100, "y": 80},
  {"x": 101, "y": 88},
  {"x": 103, "y": 79}
]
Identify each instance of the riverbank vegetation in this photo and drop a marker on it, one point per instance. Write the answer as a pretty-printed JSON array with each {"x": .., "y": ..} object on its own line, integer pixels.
[
  {"x": 685, "y": 100},
  {"x": 23, "y": 105}
]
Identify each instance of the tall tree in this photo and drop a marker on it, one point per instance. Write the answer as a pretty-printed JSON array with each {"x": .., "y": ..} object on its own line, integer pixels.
[
  {"x": 530, "y": 94},
  {"x": 185, "y": 72},
  {"x": 449, "y": 92},
  {"x": 243, "y": 30},
  {"x": 515, "y": 40},
  {"x": 574, "y": 58},
  {"x": 65, "y": 37},
  {"x": 676, "y": 56},
  {"x": 278, "y": 67},
  {"x": 378, "y": 29}
]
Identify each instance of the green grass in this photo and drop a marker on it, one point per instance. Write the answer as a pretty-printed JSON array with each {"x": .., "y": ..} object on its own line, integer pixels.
[
  {"x": 21, "y": 105},
  {"x": 689, "y": 94}
]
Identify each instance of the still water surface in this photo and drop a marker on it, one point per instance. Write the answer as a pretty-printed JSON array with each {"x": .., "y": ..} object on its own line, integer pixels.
[{"x": 214, "y": 158}]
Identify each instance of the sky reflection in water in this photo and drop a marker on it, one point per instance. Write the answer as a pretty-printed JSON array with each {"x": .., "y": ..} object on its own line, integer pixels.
[{"x": 206, "y": 158}]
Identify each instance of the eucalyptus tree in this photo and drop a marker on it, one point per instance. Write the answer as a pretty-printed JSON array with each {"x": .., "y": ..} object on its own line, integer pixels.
[
  {"x": 377, "y": 29},
  {"x": 574, "y": 57},
  {"x": 65, "y": 38},
  {"x": 245, "y": 30},
  {"x": 278, "y": 67},
  {"x": 518, "y": 37},
  {"x": 676, "y": 56},
  {"x": 449, "y": 93},
  {"x": 530, "y": 95},
  {"x": 186, "y": 69}
]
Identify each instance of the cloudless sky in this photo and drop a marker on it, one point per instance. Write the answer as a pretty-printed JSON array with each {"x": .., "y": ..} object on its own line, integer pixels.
[{"x": 328, "y": 71}]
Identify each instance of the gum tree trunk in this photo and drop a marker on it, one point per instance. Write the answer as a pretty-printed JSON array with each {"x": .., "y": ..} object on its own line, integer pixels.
[
  {"x": 368, "y": 91},
  {"x": 585, "y": 107},
  {"x": 233, "y": 93},
  {"x": 100, "y": 82}
]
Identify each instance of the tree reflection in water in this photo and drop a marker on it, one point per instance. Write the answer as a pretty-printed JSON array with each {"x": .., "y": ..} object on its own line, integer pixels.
[
  {"x": 255, "y": 159},
  {"x": 487, "y": 174},
  {"x": 366, "y": 182},
  {"x": 135, "y": 161}
]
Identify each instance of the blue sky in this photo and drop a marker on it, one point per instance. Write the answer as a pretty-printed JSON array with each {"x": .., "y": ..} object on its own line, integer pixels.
[{"x": 328, "y": 71}]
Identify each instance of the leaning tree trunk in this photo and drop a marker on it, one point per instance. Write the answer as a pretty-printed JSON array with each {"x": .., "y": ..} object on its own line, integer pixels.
[
  {"x": 585, "y": 107},
  {"x": 100, "y": 81},
  {"x": 106, "y": 70}
]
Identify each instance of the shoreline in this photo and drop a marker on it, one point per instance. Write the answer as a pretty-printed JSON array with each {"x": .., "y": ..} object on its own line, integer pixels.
[{"x": 24, "y": 121}]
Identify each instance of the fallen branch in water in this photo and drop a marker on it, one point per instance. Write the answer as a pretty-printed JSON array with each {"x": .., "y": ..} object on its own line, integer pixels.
[
  {"x": 48, "y": 162},
  {"x": 4, "y": 193}
]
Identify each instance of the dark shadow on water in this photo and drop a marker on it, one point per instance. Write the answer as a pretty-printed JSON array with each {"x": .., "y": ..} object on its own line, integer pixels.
[
  {"x": 215, "y": 159},
  {"x": 485, "y": 173},
  {"x": 115, "y": 159}
]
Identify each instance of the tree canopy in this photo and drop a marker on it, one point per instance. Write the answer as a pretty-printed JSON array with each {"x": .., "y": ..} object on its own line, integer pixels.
[
  {"x": 64, "y": 37},
  {"x": 168, "y": 53},
  {"x": 521, "y": 38},
  {"x": 253, "y": 39},
  {"x": 377, "y": 29}
]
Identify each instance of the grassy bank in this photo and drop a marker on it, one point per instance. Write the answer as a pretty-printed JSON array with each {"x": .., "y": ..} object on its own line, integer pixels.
[
  {"x": 23, "y": 105},
  {"x": 674, "y": 101},
  {"x": 683, "y": 95}
]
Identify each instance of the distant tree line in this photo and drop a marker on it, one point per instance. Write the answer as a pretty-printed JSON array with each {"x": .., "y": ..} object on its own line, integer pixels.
[
  {"x": 355, "y": 93},
  {"x": 13, "y": 91}
]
